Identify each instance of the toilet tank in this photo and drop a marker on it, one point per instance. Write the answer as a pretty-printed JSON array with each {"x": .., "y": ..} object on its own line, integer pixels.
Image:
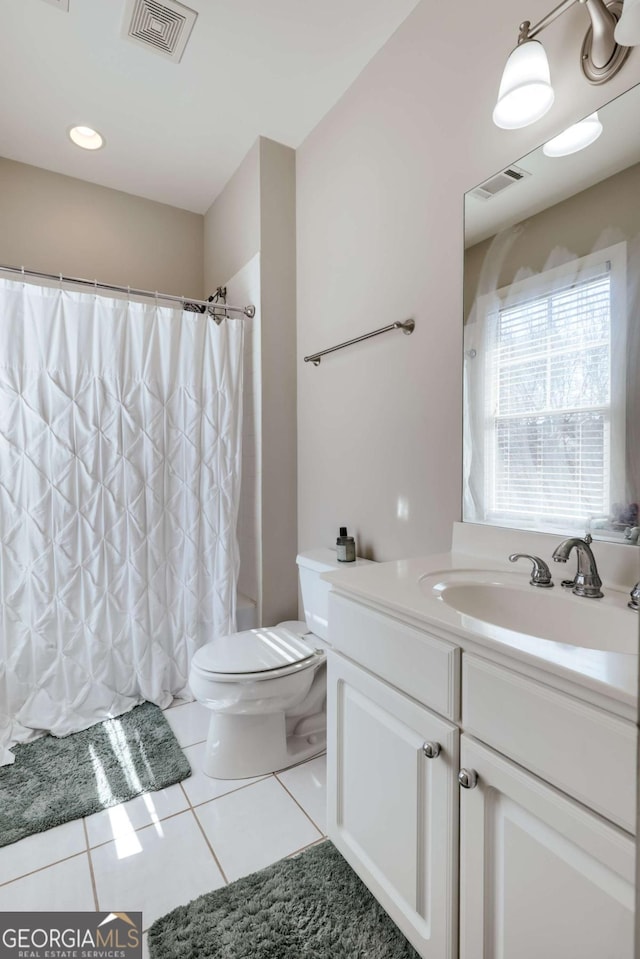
[{"x": 315, "y": 591}]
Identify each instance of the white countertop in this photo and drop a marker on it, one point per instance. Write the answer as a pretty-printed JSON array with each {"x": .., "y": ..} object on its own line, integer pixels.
[{"x": 395, "y": 588}]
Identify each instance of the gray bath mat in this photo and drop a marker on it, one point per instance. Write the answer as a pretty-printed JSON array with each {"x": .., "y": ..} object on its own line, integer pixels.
[
  {"x": 56, "y": 780},
  {"x": 311, "y": 906}
]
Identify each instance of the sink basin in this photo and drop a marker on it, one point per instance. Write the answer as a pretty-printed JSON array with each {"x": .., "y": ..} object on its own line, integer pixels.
[{"x": 507, "y": 601}]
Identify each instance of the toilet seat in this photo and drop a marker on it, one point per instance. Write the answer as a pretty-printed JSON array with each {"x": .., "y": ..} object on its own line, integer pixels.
[{"x": 259, "y": 654}]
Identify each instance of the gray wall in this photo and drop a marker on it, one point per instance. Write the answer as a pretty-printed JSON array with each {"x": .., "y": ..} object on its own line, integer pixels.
[
  {"x": 380, "y": 186},
  {"x": 256, "y": 213},
  {"x": 278, "y": 374},
  {"x": 57, "y": 224},
  {"x": 232, "y": 223}
]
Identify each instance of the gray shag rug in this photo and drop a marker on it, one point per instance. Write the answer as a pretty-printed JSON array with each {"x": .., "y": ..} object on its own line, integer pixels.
[
  {"x": 312, "y": 906},
  {"x": 53, "y": 781}
]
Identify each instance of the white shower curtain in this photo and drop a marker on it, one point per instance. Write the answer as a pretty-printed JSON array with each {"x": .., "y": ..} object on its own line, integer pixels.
[{"x": 120, "y": 445}]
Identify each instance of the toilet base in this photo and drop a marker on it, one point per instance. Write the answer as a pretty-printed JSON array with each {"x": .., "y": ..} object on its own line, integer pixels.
[{"x": 240, "y": 746}]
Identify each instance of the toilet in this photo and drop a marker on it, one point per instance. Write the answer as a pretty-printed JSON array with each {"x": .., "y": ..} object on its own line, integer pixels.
[{"x": 266, "y": 687}]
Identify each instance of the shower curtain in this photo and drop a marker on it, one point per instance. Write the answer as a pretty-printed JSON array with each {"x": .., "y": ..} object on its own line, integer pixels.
[{"x": 120, "y": 445}]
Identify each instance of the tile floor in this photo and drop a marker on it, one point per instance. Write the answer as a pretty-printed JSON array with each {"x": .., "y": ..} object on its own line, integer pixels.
[{"x": 162, "y": 849}]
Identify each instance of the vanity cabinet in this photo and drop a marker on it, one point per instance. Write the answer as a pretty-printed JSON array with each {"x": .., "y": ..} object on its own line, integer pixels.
[
  {"x": 393, "y": 802},
  {"x": 540, "y": 875},
  {"x": 536, "y": 858}
]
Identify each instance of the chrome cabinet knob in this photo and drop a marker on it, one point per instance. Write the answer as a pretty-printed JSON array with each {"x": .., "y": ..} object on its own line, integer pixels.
[
  {"x": 468, "y": 778},
  {"x": 431, "y": 750}
]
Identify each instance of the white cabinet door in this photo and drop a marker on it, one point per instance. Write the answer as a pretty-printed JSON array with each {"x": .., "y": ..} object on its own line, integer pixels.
[
  {"x": 392, "y": 811},
  {"x": 540, "y": 875}
]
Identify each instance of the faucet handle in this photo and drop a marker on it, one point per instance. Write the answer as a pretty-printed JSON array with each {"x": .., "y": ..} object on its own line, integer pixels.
[
  {"x": 540, "y": 572},
  {"x": 634, "y": 602}
]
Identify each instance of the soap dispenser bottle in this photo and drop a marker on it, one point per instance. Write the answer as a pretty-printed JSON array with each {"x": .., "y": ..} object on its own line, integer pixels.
[{"x": 346, "y": 547}]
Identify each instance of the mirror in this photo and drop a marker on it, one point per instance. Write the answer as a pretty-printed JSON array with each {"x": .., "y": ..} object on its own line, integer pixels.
[{"x": 552, "y": 338}]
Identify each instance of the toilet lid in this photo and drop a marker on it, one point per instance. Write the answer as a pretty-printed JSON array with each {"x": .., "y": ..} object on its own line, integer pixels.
[{"x": 253, "y": 651}]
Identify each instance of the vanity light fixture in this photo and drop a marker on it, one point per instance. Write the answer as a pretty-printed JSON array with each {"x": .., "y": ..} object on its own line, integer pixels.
[
  {"x": 627, "y": 31},
  {"x": 526, "y": 93},
  {"x": 86, "y": 137},
  {"x": 574, "y": 138}
]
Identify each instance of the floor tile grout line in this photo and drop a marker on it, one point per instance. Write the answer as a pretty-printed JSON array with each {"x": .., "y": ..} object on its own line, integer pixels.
[
  {"x": 148, "y": 825},
  {"x": 206, "y": 838},
  {"x": 91, "y": 872},
  {"x": 32, "y": 872},
  {"x": 275, "y": 772},
  {"x": 211, "y": 849},
  {"x": 301, "y": 762},
  {"x": 172, "y": 815},
  {"x": 299, "y": 805},
  {"x": 234, "y": 790},
  {"x": 192, "y": 807},
  {"x": 188, "y": 809},
  {"x": 184, "y": 746},
  {"x": 320, "y": 838},
  {"x": 196, "y": 805},
  {"x": 309, "y": 845},
  {"x": 87, "y": 851}
]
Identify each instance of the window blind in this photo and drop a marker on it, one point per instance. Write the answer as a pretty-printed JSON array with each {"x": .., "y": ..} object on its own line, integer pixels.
[{"x": 550, "y": 424}]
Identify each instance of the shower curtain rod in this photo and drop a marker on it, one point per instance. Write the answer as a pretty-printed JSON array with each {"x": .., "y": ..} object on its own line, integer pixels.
[{"x": 249, "y": 311}]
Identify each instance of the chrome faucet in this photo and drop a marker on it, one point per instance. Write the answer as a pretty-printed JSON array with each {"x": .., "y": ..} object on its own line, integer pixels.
[
  {"x": 587, "y": 581},
  {"x": 540, "y": 572},
  {"x": 634, "y": 602}
]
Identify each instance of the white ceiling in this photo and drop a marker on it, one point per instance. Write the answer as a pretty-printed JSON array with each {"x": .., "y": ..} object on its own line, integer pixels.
[{"x": 175, "y": 132}]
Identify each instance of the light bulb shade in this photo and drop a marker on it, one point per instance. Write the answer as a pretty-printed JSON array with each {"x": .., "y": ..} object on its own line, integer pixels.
[
  {"x": 627, "y": 32},
  {"x": 574, "y": 138},
  {"x": 525, "y": 92}
]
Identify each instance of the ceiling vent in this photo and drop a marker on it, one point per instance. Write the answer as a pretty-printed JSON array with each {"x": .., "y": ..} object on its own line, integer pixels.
[
  {"x": 496, "y": 184},
  {"x": 162, "y": 27},
  {"x": 60, "y": 4}
]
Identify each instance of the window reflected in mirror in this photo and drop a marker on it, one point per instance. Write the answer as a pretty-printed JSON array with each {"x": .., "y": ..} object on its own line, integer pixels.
[{"x": 552, "y": 339}]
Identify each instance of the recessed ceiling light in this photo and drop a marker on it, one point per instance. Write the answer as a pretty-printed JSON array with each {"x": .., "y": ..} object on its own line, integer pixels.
[{"x": 86, "y": 137}]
